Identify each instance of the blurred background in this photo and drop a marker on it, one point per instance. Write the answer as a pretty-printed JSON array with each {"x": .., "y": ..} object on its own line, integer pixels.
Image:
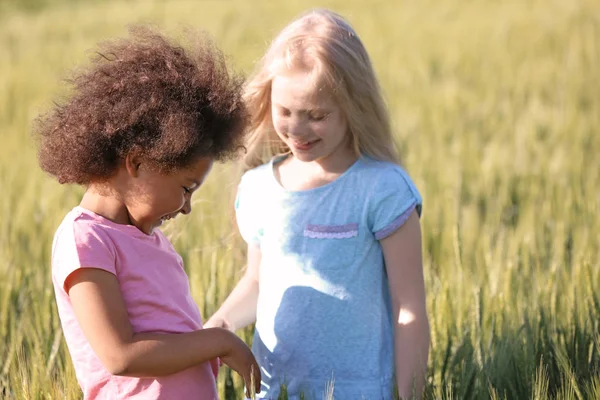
[{"x": 496, "y": 107}]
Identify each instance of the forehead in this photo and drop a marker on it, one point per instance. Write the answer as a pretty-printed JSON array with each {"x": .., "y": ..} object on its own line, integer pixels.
[
  {"x": 196, "y": 171},
  {"x": 300, "y": 89}
]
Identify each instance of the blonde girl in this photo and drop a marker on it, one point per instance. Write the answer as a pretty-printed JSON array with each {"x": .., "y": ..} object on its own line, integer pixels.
[{"x": 334, "y": 279}]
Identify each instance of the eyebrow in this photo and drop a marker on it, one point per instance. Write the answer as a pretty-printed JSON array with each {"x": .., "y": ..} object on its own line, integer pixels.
[{"x": 321, "y": 109}]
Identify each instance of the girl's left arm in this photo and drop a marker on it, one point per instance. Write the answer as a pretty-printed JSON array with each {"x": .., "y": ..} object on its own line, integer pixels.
[{"x": 404, "y": 265}]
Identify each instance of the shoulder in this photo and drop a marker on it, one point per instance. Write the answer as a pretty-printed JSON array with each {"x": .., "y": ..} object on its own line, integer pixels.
[
  {"x": 372, "y": 164},
  {"x": 81, "y": 232},
  {"x": 80, "y": 241},
  {"x": 250, "y": 189},
  {"x": 77, "y": 221},
  {"x": 257, "y": 175},
  {"x": 384, "y": 173},
  {"x": 389, "y": 187}
]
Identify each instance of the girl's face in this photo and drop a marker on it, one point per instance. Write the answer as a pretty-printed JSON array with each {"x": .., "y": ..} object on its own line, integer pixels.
[
  {"x": 156, "y": 197},
  {"x": 308, "y": 119}
]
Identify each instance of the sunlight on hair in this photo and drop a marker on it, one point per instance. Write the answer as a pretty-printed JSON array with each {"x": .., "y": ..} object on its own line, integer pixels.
[{"x": 405, "y": 317}]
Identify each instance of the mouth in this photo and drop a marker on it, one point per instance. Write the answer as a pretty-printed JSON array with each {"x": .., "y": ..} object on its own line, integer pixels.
[
  {"x": 304, "y": 145},
  {"x": 167, "y": 217}
]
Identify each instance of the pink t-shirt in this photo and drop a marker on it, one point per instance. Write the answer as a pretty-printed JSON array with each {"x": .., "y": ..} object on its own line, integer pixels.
[{"x": 157, "y": 296}]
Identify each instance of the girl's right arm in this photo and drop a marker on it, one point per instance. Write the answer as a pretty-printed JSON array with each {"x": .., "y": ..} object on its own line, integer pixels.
[
  {"x": 100, "y": 310},
  {"x": 239, "y": 309}
]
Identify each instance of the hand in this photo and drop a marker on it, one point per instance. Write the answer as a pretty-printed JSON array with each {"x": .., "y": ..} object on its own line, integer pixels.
[
  {"x": 218, "y": 322},
  {"x": 240, "y": 359}
]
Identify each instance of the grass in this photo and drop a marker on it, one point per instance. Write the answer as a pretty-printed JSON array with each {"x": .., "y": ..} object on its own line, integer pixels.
[{"x": 496, "y": 105}]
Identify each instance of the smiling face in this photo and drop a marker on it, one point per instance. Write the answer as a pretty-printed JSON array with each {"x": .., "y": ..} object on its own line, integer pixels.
[
  {"x": 308, "y": 120},
  {"x": 155, "y": 197}
]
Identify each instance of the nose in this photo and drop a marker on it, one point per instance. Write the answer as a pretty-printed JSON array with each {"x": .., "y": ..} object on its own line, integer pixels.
[
  {"x": 187, "y": 207},
  {"x": 296, "y": 128}
]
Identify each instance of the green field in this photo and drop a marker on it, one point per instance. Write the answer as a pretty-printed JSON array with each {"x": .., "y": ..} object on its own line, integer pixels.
[{"x": 496, "y": 106}]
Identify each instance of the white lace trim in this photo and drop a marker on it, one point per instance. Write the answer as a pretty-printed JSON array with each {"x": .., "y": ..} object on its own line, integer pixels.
[{"x": 330, "y": 235}]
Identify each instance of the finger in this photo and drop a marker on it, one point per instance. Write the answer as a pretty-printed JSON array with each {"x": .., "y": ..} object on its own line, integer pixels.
[
  {"x": 209, "y": 324},
  {"x": 257, "y": 378},
  {"x": 250, "y": 394},
  {"x": 214, "y": 365}
]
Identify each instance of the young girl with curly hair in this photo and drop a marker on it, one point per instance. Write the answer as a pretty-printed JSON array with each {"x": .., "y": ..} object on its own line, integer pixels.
[
  {"x": 141, "y": 131},
  {"x": 334, "y": 278}
]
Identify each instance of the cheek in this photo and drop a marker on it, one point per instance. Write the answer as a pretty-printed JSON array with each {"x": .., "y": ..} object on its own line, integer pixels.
[
  {"x": 279, "y": 125},
  {"x": 170, "y": 202},
  {"x": 338, "y": 127},
  {"x": 327, "y": 129}
]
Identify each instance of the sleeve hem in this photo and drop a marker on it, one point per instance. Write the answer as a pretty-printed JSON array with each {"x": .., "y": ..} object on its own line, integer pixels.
[
  {"x": 395, "y": 224},
  {"x": 62, "y": 279}
]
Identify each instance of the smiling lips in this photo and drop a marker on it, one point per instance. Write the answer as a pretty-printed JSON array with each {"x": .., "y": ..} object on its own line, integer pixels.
[
  {"x": 167, "y": 217},
  {"x": 304, "y": 145}
]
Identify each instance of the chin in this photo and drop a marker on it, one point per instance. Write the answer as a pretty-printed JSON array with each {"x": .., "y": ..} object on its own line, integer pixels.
[{"x": 305, "y": 157}]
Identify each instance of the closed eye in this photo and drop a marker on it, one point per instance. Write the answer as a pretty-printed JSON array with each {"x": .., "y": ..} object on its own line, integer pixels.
[
  {"x": 314, "y": 116},
  {"x": 284, "y": 112}
]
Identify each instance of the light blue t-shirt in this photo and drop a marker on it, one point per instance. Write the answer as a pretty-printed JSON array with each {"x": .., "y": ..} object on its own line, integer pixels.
[{"x": 324, "y": 312}]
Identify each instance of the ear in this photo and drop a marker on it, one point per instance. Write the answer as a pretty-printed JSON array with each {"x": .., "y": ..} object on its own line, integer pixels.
[{"x": 132, "y": 164}]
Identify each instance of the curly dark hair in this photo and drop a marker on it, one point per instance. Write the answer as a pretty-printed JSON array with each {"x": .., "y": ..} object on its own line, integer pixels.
[{"x": 145, "y": 94}]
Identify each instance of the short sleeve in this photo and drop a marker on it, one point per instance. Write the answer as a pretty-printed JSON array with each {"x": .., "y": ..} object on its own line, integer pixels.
[
  {"x": 81, "y": 245},
  {"x": 394, "y": 198},
  {"x": 246, "y": 212}
]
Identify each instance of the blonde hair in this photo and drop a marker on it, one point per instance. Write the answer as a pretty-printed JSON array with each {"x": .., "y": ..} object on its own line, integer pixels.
[{"x": 324, "y": 42}]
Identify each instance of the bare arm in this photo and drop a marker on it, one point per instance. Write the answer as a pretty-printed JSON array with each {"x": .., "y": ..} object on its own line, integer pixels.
[
  {"x": 403, "y": 260},
  {"x": 239, "y": 309},
  {"x": 100, "y": 310}
]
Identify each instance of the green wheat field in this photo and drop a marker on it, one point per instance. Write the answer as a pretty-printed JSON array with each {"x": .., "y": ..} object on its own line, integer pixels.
[{"x": 496, "y": 107}]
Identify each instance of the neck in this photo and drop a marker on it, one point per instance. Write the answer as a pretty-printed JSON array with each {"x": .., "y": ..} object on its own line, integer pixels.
[
  {"x": 335, "y": 164},
  {"x": 106, "y": 202}
]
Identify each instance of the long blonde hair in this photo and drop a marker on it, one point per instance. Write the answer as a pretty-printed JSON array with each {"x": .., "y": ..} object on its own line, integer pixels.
[{"x": 325, "y": 42}]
